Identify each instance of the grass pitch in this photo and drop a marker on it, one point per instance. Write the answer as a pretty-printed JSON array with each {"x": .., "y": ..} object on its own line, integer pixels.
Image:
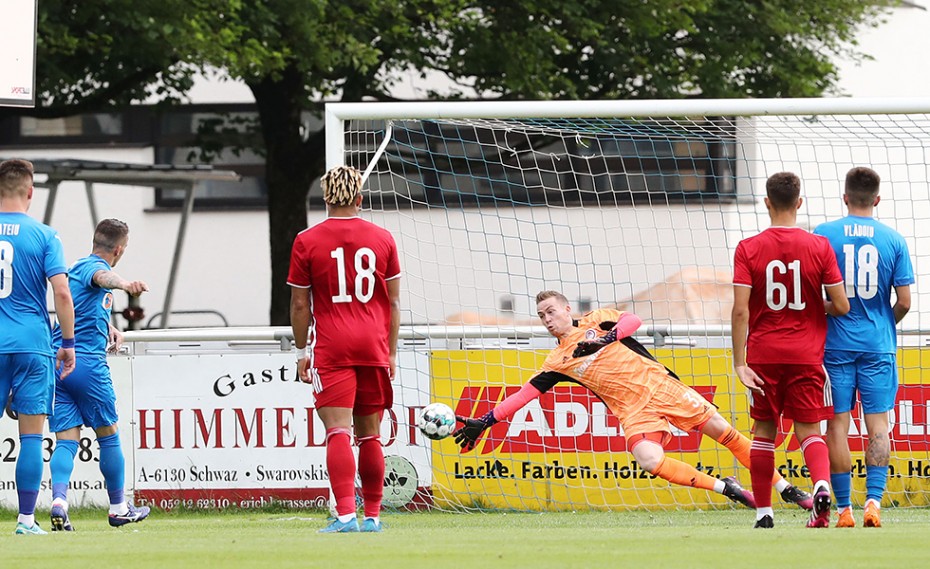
[{"x": 683, "y": 539}]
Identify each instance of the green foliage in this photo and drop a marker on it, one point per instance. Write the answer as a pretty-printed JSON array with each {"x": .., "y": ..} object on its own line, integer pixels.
[{"x": 293, "y": 54}]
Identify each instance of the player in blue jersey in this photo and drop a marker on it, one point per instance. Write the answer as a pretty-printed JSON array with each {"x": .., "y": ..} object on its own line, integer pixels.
[
  {"x": 861, "y": 346},
  {"x": 30, "y": 254},
  {"x": 87, "y": 396}
]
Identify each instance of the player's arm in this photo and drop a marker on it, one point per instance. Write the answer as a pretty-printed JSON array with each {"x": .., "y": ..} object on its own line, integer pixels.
[
  {"x": 300, "y": 326},
  {"x": 64, "y": 311},
  {"x": 627, "y": 324},
  {"x": 836, "y": 304},
  {"x": 393, "y": 290},
  {"x": 739, "y": 322},
  {"x": 467, "y": 435},
  {"x": 112, "y": 281},
  {"x": 902, "y": 303}
]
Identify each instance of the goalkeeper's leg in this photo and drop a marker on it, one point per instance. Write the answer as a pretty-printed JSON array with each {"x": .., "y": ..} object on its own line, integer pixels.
[
  {"x": 737, "y": 443},
  {"x": 648, "y": 452}
]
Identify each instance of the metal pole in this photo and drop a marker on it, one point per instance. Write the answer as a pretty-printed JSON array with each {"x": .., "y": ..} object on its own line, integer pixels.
[
  {"x": 91, "y": 202},
  {"x": 178, "y": 246},
  {"x": 50, "y": 204}
]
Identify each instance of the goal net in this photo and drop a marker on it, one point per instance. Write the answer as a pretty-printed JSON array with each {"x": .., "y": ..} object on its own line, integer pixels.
[{"x": 636, "y": 205}]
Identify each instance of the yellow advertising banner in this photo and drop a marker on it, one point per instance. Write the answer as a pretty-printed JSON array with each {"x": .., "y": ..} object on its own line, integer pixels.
[{"x": 565, "y": 450}]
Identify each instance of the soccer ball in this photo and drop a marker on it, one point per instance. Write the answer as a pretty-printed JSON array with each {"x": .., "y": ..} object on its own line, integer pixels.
[{"x": 436, "y": 421}]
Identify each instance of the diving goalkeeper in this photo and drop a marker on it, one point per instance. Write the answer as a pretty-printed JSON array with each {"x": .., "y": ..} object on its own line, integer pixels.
[{"x": 645, "y": 396}]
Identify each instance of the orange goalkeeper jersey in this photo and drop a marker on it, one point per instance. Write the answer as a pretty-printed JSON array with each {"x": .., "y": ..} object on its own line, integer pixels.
[{"x": 624, "y": 379}]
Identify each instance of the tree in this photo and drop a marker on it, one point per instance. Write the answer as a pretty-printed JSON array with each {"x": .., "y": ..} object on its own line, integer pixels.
[{"x": 295, "y": 53}]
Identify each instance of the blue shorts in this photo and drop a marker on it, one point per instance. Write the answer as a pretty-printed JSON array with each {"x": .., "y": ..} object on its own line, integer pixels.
[
  {"x": 85, "y": 397},
  {"x": 874, "y": 376},
  {"x": 29, "y": 380}
]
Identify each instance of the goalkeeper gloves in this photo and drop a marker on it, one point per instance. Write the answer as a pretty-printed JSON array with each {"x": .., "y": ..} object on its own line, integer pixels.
[
  {"x": 467, "y": 435},
  {"x": 588, "y": 347}
]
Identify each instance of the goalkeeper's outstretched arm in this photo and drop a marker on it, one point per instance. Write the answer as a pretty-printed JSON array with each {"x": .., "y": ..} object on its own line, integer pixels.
[{"x": 467, "y": 435}]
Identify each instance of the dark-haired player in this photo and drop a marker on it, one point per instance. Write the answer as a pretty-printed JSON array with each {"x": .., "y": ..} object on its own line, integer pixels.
[
  {"x": 778, "y": 281},
  {"x": 861, "y": 346},
  {"x": 86, "y": 397},
  {"x": 30, "y": 254}
]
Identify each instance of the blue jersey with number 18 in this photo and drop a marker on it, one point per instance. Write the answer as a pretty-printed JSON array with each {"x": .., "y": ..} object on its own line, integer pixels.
[
  {"x": 873, "y": 259},
  {"x": 30, "y": 253}
]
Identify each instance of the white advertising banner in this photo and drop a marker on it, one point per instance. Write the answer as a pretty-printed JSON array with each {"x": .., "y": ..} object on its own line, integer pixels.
[
  {"x": 214, "y": 430},
  {"x": 220, "y": 430}
]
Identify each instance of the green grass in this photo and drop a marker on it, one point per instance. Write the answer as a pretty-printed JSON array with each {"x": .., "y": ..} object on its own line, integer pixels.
[{"x": 712, "y": 539}]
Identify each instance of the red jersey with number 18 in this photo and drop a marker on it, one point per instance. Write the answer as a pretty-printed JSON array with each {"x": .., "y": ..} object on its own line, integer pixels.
[
  {"x": 787, "y": 268},
  {"x": 346, "y": 263}
]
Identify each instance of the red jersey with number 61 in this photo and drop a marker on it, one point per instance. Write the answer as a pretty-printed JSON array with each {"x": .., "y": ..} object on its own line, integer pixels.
[
  {"x": 787, "y": 268},
  {"x": 346, "y": 263}
]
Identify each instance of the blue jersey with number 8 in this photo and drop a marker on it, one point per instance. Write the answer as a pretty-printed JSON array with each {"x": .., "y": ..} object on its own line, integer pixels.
[
  {"x": 30, "y": 253},
  {"x": 873, "y": 259}
]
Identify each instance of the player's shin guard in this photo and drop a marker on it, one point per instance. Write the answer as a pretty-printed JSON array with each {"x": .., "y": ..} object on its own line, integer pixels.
[
  {"x": 842, "y": 489},
  {"x": 741, "y": 447},
  {"x": 113, "y": 467},
  {"x": 29, "y": 467},
  {"x": 340, "y": 462},
  {"x": 817, "y": 458},
  {"x": 62, "y": 465},
  {"x": 371, "y": 471},
  {"x": 876, "y": 479},
  {"x": 682, "y": 473},
  {"x": 761, "y": 465}
]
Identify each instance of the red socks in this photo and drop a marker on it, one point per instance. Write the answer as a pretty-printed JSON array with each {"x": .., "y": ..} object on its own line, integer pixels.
[
  {"x": 817, "y": 458},
  {"x": 371, "y": 471},
  {"x": 761, "y": 466},
  {"x": 340, "y": 462}
]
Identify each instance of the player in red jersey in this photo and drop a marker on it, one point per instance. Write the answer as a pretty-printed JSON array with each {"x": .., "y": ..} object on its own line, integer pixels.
[
  {"x": 778, "y": 281},
  {"x": 345, "y": 315}
]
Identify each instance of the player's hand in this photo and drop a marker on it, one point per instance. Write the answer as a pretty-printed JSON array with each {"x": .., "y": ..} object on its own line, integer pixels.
[
  {"x": 302, "y": 372},
  {"x": 750, "y": 379},
  {"x": 136, "y": 288},
  {"x": 467, "y": 435},
  {"x": 65, "y": 361},
  {"x": 114, "y": 340},
  {"x": 392, "y": 367},
  {"x": 588, "y": 347}
]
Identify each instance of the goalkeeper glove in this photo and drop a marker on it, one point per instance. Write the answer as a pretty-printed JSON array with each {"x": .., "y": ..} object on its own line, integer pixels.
[
  {"x": 588, "y": 347},
  {"x": 467, "y": 436}
]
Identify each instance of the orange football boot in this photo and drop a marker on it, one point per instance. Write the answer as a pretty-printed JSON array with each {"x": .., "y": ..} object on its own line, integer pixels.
[{"x": 873, "y": 515}]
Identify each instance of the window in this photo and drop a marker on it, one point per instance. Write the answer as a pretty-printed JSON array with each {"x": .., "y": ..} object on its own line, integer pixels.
[
  {"x": 446, "y": 164},
  {"x": 222, "y": 135}
]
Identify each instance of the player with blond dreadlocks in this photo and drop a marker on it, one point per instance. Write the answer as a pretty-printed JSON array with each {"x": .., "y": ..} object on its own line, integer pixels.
[{"x": 345, "y": 315}]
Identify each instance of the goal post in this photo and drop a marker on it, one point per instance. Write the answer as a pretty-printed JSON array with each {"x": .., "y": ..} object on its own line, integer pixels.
[{"x": 631, "y": 204}]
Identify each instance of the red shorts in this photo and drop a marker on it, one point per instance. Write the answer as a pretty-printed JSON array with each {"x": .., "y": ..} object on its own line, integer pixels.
[
  {"x": 364, "y": 389},
  {"x": 800, "y": 392}
]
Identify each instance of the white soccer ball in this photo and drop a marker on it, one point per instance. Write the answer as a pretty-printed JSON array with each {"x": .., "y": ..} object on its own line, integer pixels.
[{"x": 436, "y": 421}]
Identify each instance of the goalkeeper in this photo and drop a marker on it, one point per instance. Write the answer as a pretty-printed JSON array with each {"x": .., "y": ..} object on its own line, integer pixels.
[{"x": 645, "y": 396}]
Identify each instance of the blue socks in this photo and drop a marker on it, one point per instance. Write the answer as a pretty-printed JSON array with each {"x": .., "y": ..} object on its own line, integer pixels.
[
  {"x": 29, "y": 467},
  {"x": 62, "y": 465},
  {"x": 113, "y": 467},
  {"x": 876, "y": 479},
  {"x": 875, "y": 483},
  {"x": 841, "y": 483}
]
